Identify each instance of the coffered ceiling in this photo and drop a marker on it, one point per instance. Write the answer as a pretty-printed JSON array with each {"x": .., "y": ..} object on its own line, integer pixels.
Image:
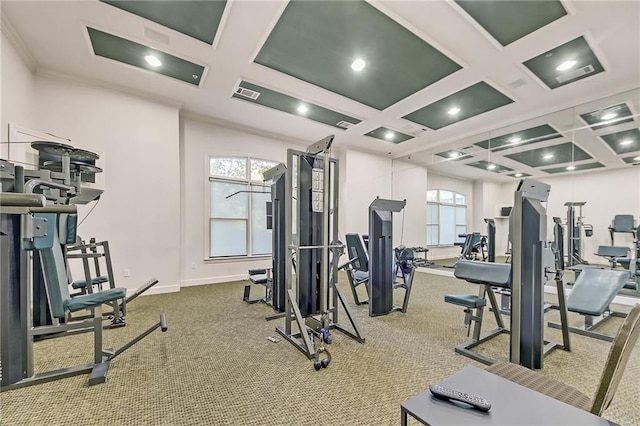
[{"x": 497, "y": 89}]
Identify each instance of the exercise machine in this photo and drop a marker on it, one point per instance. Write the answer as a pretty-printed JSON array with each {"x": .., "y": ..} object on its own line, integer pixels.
[
  {"x": 357, "y": 267},
  {"x": 63, "y": 175},
  {"x": 29, "y": 225},
  {"x": 575, "y": 228},
  {"x": 311, "y": 210},
  {"x": 381, "y": 283},
  {"x": 622, "y": 224},
  {"x": 491, "y": 239},
  {"x": 273, "y": 279},
  {"x": 532, "y": 262}
]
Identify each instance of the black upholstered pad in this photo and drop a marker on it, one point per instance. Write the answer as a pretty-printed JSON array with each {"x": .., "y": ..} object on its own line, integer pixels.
[
  {"x": 594, "y": 290},
  {"x": 494, "y": 274},
  {"x": 260, "y": 271},
  {"x": 90, "y": 300},
  {"x": 259, "y": 280},
  {"x": 466, "y": 300}
]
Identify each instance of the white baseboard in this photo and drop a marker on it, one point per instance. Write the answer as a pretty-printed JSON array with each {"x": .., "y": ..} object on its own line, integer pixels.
[
  {"x": 213, "y": 280},
  {"x": 156, "y": 289}
]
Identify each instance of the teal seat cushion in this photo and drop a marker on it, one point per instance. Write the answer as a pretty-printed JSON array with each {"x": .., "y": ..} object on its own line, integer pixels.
[
  {"x": 594, "y": 290},
  {"x": 466, "y": 300},
  {"x": 360, "y": 276},
  {"x": 95, "y": 281},
  {"x": 90, "y": 300}
]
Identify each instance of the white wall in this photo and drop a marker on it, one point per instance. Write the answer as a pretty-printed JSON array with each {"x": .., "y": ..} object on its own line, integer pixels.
[
  {"x": 366, "y": 177},
  {"x": 488, "y": 197},
  {"x": 200, "y": 139},
  {"x": 607, "y": 193},
  {"x": 464, "y": 187},
  {"x": 410, "y": 184},
  {"x": 139, "y": 212},
  {"x": 16, "y": 92}
]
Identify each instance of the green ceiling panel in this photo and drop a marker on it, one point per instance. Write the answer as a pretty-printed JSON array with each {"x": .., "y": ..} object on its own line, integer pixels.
[
  {"x": 619, "y": 114},
  {"x": 577, "y": 168},
  {"x": 520, "y": 175},
  {"x": 578, "y": 50},
  {"x": 484, "y": 165},
  {"x": 454, "y": 155},
  {"x": 509, "y": 20},
  {"x": 197, "y": 19},
  {"x": 632, "y": 160},
  {"x": 623, "y": 142},
  {"x": 472, "y": 101},
  {"x": 558, "y": 154},
  {"x": 520, "y": 138},
  {"x": 286, "y": 103},
  {"x": 129, "y": 52},
  {"x": 389, "y": 135},
  {"x": 317, "y": 41}
]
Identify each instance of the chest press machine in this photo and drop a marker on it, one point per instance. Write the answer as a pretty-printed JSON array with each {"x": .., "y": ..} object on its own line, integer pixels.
[{"x": 29, "y": 225}]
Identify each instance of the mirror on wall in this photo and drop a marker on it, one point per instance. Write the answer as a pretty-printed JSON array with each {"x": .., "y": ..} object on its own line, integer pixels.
[{"x": 589, "y": 154}]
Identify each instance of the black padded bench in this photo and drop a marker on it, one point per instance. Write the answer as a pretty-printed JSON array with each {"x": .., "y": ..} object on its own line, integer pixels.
[
  {"x": 487, "y": 275},
  {"x": 259, "y": 276}
]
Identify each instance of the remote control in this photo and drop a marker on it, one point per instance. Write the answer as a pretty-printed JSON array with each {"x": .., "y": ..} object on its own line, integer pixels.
[{"x": 454, "y": 395}]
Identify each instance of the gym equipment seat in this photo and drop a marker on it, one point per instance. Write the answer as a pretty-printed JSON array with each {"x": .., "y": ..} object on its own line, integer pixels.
[{"x": 619, "y": 353}]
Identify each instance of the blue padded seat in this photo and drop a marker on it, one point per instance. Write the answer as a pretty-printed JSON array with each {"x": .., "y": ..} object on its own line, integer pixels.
[
  {"x": 360, "y": 276},
  {"x": 85, "y": 301},
  {"x": 94, "y": 281},
  {"x": 595, "y": 289},
  {"x": 466, "y": 300}
]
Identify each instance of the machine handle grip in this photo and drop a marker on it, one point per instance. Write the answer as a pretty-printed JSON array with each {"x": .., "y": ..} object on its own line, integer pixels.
[{"x": 163, "y": 322}]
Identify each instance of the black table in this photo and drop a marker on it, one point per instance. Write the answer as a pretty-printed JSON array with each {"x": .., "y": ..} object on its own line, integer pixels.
[{"x": 511, "y": 404}]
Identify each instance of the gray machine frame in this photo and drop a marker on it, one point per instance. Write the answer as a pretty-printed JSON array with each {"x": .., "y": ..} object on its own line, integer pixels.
[
  {"x": 381, "y": 258},
  {"x": 329, "y": 296},
  {"x": 530, "y": 263}
]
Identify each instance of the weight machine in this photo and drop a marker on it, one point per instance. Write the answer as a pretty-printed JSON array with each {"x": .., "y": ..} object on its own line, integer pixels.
[
  {"x": 575, "y": 228},
  {"x": 311, "y": 232}
]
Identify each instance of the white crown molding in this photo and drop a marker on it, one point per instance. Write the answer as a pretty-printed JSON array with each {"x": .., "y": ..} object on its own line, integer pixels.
[
  {"x": 240, "y": 127},
  {"x": 17, "y": 42},
  {"x": 93, "y": 82}
]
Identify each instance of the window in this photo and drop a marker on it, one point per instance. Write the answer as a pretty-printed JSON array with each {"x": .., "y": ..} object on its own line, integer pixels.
[
  {"x": 238, "y": 209},
  {"x": 446, "y": 217}
]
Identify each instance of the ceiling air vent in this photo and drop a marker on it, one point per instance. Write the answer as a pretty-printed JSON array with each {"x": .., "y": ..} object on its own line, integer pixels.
[
  {"x": 251, "y": 94},
  {"x": 574, "y": 74},
  {"x": 344, "y": 124}
]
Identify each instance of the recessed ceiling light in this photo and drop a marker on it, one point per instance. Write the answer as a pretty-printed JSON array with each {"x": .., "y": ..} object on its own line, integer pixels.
[
  {"x": 454, "y": 154},
  {"x": 454, "y": 111},
  {"x": 636, "y": 158},
  {"x": 515, "y": 139},
  {"x": 565, "y": 65},
  {"x": 626, "y": 142},
  {"x": 358, "y": 64},
  {"x": 609, "y": 116},
  {"x": 153, "y": 60},
  {"x": 491, "y": 166},
  {"x": 518, "y": 175},
  {"x": 569, "y": 168},
  {"x": 389, "y": 135},
  {"x": 548, "y": 156},
  {"x": 302, "y": 109}
]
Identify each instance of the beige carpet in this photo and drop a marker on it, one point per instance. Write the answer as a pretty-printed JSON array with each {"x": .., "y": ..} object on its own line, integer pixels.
[{"x": 215, "y": 366}]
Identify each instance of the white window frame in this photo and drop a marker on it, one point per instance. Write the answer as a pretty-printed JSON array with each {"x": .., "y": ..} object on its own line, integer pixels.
[
  {"x": 456, "y": 225},
  {"x": 252, "y": 185}
]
